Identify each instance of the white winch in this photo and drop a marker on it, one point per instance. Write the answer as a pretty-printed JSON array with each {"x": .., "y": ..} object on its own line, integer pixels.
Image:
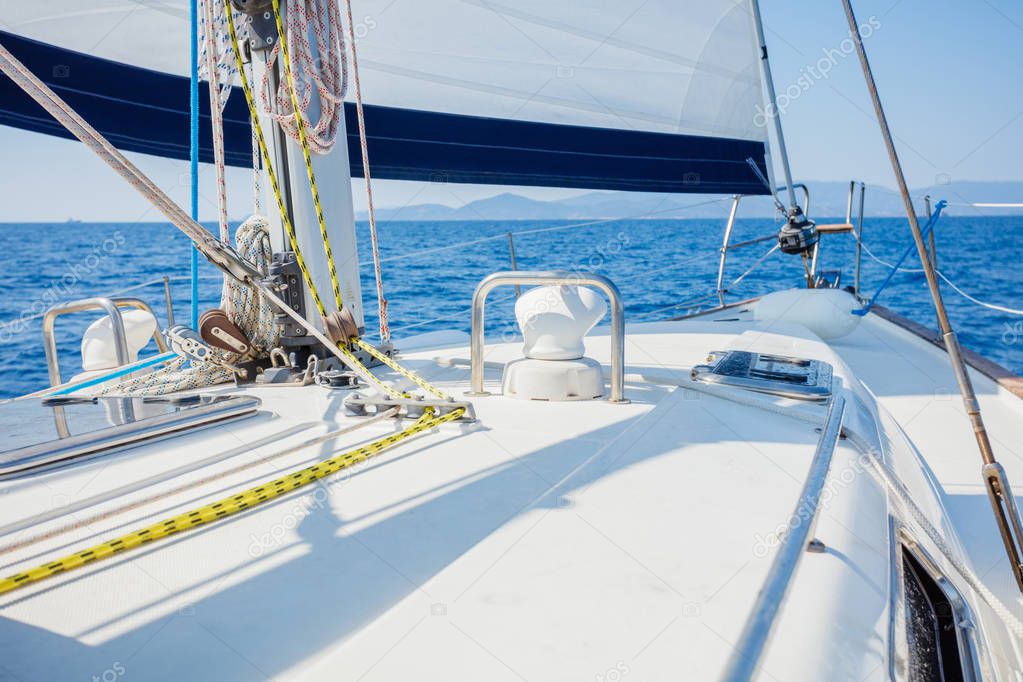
[{"x": 554, "y": 320}]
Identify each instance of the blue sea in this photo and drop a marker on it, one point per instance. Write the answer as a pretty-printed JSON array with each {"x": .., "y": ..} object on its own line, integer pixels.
[{"x": 664, "y": 268}]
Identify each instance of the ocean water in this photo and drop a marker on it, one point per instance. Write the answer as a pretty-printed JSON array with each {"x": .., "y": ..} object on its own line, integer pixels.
[{"x": 664, "y": 268}]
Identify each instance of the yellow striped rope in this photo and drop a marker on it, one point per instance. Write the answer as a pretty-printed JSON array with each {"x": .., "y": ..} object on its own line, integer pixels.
[
  {"x": 250, "y": 100},
  {"x": 407, "y": 373},
  {"x": 221, "y": 509},
  {"x": 300, "y": 124},
  {"x": 268, "y": 163}
]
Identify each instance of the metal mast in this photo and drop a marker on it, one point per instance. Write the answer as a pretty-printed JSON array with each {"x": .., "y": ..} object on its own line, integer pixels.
[
  {"x": 772, "y": 103},
  {"x": 799, "y": 234},
  {"x": 999, "y": 493}
]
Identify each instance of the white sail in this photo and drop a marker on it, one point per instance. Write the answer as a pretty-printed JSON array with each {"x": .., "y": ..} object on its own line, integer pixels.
[
  {"x": 656, "y": 65},
  {"x": 152, "y": 34},
  {"x": 659, "y": 65}
]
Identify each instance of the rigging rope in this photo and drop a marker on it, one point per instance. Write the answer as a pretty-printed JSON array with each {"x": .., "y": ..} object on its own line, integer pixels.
[
  {"x": 212, "y": 61},
  {"x": 221, "y": 509},
  {"x": 304, "y": 140},
  {"x": 318, "y": 66},
  {"x": 385, "y": 328}
]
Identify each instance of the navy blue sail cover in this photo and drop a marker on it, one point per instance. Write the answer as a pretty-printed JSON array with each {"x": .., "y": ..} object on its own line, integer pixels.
[{"x": 147, "y": 111}]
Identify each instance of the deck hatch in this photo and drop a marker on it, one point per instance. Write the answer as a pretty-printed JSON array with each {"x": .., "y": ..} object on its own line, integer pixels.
[
  {"x": 55, "y": 431},
  {"x": 780, "y": 375}
]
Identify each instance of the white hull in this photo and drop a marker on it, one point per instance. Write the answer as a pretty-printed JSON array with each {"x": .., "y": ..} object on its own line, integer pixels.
[{"x": 549, "y": 541}]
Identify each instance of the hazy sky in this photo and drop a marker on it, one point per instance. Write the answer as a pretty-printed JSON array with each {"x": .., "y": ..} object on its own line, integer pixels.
[{"x": 949, "y": 73}]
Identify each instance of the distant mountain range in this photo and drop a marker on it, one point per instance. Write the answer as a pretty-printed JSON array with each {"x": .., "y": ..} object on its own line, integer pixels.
[{"x": 827, "y": 199}]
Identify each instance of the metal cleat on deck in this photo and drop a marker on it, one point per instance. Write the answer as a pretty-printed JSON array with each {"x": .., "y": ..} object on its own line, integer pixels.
[{"x": 360, "y": 405}]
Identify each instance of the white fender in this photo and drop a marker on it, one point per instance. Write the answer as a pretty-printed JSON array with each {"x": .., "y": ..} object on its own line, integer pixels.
[
  {"x": 825, "y": 312},
  {"x": 99, "y": 352}
]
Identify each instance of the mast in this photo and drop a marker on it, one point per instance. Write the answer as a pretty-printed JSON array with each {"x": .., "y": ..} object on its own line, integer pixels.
[
  {"x": 772, "y": 103},
  {"x": 799, "y": 234},
  {"x": 333, "y": 175},
  {"x": 1000, "y": 494}
]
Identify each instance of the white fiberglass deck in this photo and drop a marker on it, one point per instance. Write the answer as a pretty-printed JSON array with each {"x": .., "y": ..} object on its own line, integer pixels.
[{"x": 549, "y": 541}]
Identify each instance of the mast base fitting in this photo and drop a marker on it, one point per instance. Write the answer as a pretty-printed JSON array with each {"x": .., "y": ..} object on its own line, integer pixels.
[
  {"x": 799, "y": 235},
  {"x": 340, "y": 327}
]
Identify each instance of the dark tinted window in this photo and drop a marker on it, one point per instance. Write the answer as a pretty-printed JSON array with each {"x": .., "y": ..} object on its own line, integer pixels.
[{"x": 930, "y": 628}]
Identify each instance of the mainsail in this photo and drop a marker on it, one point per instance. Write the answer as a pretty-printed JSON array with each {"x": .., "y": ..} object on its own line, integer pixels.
[{"x": 650, "y": 95}]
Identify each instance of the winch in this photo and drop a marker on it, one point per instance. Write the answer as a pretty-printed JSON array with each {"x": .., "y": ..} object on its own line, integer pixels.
[{"x": 799, "y": 234}]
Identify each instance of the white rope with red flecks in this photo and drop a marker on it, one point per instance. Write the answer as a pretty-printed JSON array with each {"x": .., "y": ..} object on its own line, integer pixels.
[
  {"x": 318, "y": 65},
  {"x": 213, "y": 55}
]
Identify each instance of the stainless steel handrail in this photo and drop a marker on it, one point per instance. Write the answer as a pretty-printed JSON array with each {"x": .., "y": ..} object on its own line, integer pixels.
[
  {"x": 848, "y": 221},
  {"x": 165, "y": 281},
  {"x": 556, "y": 278},
  {"x": 755, "y": 635},
  {"x": 859, "y": 241},
  {"x": 112, "y": 308},
  {"x": 726, "y": 246}
]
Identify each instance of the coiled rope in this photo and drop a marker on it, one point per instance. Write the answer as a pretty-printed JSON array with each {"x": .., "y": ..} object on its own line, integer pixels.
[
  {"x": 316, "y": 66},
  {"x": 249, "y": 310}
]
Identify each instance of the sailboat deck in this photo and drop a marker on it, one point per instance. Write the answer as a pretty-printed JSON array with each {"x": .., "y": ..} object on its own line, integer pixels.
[{"x": 548, "y": 541}]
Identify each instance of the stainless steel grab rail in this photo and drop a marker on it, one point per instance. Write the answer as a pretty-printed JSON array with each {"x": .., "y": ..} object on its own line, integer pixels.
[
  {"x": 557, "y": 278},
  {"x": 726, "y": 244},
  {"x": 755, "y": 635},
  {"x": 112, "y": 308}
]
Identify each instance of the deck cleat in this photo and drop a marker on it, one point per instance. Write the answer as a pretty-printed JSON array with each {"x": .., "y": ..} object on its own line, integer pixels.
[
  {"x": 338, "y": 379},
  {"x": 359, "y": 405}
]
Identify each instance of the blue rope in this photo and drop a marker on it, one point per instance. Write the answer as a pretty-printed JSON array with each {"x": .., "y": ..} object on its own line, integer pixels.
[
  {"x": 194, "y": 151},
  {"x": 127, "y": 369},
  {"x": 905, "y": 254}
]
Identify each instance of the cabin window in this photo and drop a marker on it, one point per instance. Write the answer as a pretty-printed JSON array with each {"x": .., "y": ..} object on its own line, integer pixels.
[{"x": 931, "y": 633}]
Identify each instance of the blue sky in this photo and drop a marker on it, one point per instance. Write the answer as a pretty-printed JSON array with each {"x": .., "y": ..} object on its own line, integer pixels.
[{"x": 949, "y": 73}]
